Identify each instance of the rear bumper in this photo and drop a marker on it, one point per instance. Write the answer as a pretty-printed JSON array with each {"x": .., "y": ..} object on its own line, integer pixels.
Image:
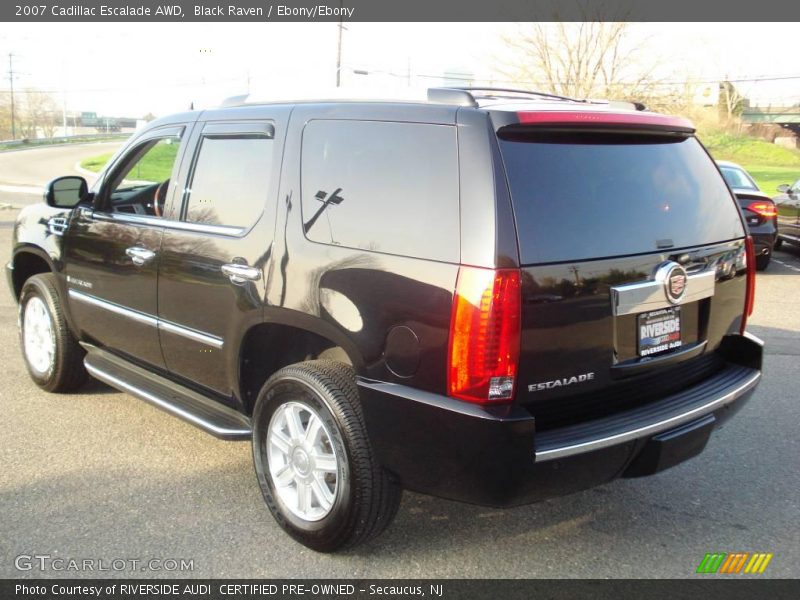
[
  {"x": 495, "y": 457},
  {"x": 763, "y": 239}
]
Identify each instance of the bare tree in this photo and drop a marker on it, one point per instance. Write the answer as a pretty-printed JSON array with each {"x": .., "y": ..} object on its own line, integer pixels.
[
  {"x": 38, "y": 111},
  {"x": 5, "y": 116},
  {"x": 731, "y": 100},
  {"x": 592, "y": 59}
]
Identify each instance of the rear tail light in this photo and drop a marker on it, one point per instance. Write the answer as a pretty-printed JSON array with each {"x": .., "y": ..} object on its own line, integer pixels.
[
  {"x": 765, "y": 209},
  {"x": 750, "y": 293},
  {"x": 484, "y": 335}
]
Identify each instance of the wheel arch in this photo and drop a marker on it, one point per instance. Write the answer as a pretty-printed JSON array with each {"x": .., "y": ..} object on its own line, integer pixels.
[
  {"x": 269, "y": 346},
  {"x": 28, "y": 260}
]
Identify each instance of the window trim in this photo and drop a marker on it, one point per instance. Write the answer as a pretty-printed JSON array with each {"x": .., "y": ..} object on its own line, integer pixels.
[
  {"x": 217, "y": 130},
  {"x": 225, "y": 230}
]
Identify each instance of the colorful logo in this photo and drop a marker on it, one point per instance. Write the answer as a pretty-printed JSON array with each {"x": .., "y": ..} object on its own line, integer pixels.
[{"x": 734, "y": 563}]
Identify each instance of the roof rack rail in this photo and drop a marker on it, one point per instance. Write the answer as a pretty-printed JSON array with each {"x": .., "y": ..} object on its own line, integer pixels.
[
  {"x": 622, "y": 104},
  {"x": 457, "y": 96},
  {"x": 499, "y": 92}
]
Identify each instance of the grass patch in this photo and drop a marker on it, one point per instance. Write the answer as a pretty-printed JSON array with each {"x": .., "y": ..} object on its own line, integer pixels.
[
  {"x": 155, "y": 166},
  {"x": 769, "y": 178},
  {"x": 768, "y": 164},
  {"x": 96, "y": 163}
]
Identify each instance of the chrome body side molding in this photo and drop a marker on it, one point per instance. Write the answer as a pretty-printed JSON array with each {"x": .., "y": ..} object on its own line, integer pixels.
[{"x": 162, "y": 324}]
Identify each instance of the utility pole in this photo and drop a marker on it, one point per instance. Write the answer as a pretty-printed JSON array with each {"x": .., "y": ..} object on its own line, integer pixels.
[
  {"x": 64, "y": 99},
  {"x": 339, "y": 50},
  {"x": 11, "y": 83}
]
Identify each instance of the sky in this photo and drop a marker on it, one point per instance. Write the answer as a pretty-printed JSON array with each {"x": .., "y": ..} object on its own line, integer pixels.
[{"x": 131, "y": 69}]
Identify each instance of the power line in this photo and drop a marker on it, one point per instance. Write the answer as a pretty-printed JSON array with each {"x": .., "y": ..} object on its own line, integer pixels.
[
  {"x": 466, "y": 77},
  {"x": 469, "y": 77}
]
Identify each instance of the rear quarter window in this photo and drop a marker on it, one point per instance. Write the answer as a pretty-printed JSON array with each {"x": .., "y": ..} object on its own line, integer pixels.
[
  {"x": 382, "y": 186},
  {"x": 579, "y": 196}
]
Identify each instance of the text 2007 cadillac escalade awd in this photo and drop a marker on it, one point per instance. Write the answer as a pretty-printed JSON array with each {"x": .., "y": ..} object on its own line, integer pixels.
[{"x": 492, "y": 296}]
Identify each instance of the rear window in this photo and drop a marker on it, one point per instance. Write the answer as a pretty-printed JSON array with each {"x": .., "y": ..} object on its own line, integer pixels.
[
  {"x": 591, "y": 195},
  {"x": 737, "y": 178}
]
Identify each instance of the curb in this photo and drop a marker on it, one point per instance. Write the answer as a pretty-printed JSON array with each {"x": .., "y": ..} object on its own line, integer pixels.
[
  {"x": 85, "y": 172},
  {"x": 21, "y": 189},
  {"x": 38, "y": 146}
]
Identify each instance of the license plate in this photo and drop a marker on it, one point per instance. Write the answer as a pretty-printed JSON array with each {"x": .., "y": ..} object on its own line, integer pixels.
[{"x": 659, "y": 331}]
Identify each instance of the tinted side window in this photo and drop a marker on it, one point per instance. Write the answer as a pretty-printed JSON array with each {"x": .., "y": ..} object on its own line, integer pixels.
[
  {"x": 386, "y": 187},
  {"x": 230, "y": 180}
]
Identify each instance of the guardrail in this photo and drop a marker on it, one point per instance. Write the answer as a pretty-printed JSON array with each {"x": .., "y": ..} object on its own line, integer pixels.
[{"x": 70, "y": 139}]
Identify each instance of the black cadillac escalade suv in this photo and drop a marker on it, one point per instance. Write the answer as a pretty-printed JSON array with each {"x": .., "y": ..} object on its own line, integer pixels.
[{"x": 491, "y": 296}]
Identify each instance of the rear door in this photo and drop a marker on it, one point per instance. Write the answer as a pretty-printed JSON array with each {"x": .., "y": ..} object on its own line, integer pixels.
[{"x": 633, "y": 266}]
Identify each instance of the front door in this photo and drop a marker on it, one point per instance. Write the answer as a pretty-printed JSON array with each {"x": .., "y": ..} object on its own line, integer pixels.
[
  {"x": 112, "y": 250},
  {"x": 214, "y": 261}
]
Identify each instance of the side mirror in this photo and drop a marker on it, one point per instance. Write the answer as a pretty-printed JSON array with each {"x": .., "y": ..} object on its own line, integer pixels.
[
  {"x": 65, "y": 192},
  {"x": 784, "y": 188}
]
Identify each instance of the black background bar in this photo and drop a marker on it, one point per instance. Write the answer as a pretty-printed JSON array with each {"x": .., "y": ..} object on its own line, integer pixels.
[{"x": 399, "y": 10}]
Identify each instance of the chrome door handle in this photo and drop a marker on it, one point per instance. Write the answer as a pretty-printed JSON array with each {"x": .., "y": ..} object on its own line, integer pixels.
[
  {"x": 140, "y": 256},
  {"x": 57, "y": 225},
  {"x": 241, "y": 274}
]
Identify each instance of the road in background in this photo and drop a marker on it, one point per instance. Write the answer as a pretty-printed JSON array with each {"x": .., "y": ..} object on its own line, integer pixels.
[
  {"x": 99, "y": 474},
  {"x": 24, "y": 172}
]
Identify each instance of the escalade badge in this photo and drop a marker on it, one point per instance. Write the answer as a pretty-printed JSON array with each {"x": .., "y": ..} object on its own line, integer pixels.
[
  {"x": 675, "y": 284},
  {"x": 564, "y": 381}
]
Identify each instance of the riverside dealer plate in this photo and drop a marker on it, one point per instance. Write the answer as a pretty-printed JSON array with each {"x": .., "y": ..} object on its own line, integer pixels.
[{"x": 659, "y": 331}]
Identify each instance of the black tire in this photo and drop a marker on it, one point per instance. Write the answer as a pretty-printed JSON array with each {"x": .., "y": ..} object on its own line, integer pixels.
[
  {"x": 778, "y": 243},
  {"x": 366, "y": 496},
  {"x": 65, "y": 371},
  {"x": 762, "y": 262}
]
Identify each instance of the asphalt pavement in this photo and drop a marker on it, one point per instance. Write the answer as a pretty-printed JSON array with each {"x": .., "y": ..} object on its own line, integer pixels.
[
  {"x": 36, "y": 166},
  {"x": 100, "y": 475}
]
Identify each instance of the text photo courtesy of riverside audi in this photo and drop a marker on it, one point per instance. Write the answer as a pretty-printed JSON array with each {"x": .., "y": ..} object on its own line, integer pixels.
[{"x": 430, "y": 301}]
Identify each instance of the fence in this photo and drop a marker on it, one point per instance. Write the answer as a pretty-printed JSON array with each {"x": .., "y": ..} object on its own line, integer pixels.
[{"x": 70, "y": 139}]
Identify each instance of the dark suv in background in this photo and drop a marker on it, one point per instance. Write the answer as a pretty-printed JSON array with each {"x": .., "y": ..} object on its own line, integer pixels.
[{"x": 492, "y": 296}]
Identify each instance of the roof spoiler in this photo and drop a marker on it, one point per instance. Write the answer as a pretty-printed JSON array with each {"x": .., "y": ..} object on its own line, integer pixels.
[{"x": 599, "y": 120}]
